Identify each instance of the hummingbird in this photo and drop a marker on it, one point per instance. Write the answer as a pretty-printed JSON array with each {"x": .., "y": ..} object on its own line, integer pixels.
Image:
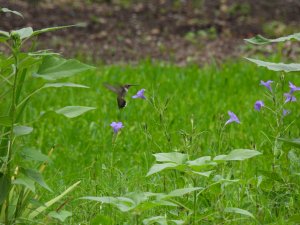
[{"x": 121, "y": 91}]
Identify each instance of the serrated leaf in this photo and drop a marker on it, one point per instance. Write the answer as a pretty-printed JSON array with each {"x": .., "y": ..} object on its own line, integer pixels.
[
  {"x": 4, "y": 187},
  {"x": 241, "y": 154},
  {"x": 22, "y": 130},
  {"x": 74, "y": 111},
  {"x": 59, "y": 85},
  {"x": 25, "y": 181},
  {"x": 34, "y": 154},
  {"x": 160, "y": 167},
  {"x": 61, "y": 215},
  {"x": 53, "y": 68},
  {"x": 205, "y": 173},
  {"x": 239, "y": 211},
  {"x": 40, "y": 209},
  {"x": 182, "y": 191},
  {"x": 5, "y": 121},
  {"x": 23, "y": 33},
  {"x": 6, "y": 10},
  {"x": 294, "y": 142},
  {"x": 35, "y": 176},
  {"x": 260, "y": 40},
  {"x": 174, "y": 157},
  {"x": 291, "y": 67}
]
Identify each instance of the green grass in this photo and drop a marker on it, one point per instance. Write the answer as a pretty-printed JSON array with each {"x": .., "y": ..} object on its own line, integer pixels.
[{"x": 191, "y": 105}]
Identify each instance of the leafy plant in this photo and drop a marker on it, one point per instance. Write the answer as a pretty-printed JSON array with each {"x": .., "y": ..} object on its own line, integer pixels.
[{"x": 18, "y": 173}]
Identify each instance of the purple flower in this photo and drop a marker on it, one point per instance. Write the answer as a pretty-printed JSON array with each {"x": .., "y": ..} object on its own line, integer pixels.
[
  {"x": 258, "y": 105},
  {"x": 267, "y": 84},
  {"x": 140, "y": 94},
  {"x": 293, "y": 88},
  {"x": 116, "y": 126},
  {"x": 289, "y": 98},
  {"x": 233, "y": 118},
  {"x": 285, "y": 112}
]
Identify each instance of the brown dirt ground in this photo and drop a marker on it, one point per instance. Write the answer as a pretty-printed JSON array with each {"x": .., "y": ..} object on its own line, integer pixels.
[{"x": 177, "y": 31}]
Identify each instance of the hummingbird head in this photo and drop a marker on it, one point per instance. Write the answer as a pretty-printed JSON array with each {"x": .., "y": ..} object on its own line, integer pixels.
[{"x": 129, "y": 85}]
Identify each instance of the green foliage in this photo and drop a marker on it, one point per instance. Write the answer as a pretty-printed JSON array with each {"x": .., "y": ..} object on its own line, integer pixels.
[{"x": 18, "y": 173}]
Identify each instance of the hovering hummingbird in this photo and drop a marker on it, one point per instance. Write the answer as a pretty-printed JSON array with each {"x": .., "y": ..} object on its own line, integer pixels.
[{"x": 121, "y": 91}]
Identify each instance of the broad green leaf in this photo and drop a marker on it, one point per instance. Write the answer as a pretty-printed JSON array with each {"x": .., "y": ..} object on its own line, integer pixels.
[
  {"x": 155, "y": 220},
  {"x": 174, "y": 157},
  {"x": 205, "y": 173},
  {"x": 25, "y": 181},
  {"x": 294, "y": 142},
  {"x": 37, "y": 32},
  {"x": 183, "y": 191},
  {"x": 5, "y": 121},
  {"x": 178, "y": 222},
  {"x": 4, "y": 187},
  {"x": 23, "y": 32},
  {"x": 201, "y": 162},
  {"x": 59, "y": 85},
  {"x": 53, "y": 68},
  {"x": 260, "y": 40},
  {"x": 74, "y": 111},
  {"x": 34, "y": 154},
  {"x": 6, "y": 10},
  {"x": 239, "y": 211},
  {"x": 241, "y": 154},
  {"x": 4, "y": 36},
  {"x": 22, "y": 130},
  {"x": 122, "y": 203},
  {"x": 291, "y": 67},
  {"x": 35, "y": 176},
  {"x": 160, "y": 167},
  {"x": 61, "y": 215},
  {"x": 40, "y": 209}
]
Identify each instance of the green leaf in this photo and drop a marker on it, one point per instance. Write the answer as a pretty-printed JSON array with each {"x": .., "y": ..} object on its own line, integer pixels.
[
  {"x": 37, "y": 32},
  {"x": 4, "y": 36},
  {"x": 40, "y": 209},
  {"x": 4, "y": 187},
  {"x": 160, "y": 167},
  {"x": 34, "y": 154},
  {"x": 291, "y": 67},
  {"x": 205, "y": 173},
  {"x": 260, "y": 40},
  {"x": 25, "y": 181},
  {"x": 5, "y": 121},
  {"x": 239, "y": 211},
  {"x": 59, "y": 85},
  {"x": 294, "y": 142},
  {"x": 155, "y": 220},
  {"x": 53, "y": 68},
  {"x": 122, "y": 203},
  {"x": 183, "y": 191},
  {"x": 74, "y": 111},
  {"x": 61, "y": 215},
  {"x": 174, "y": 157},
  {"x": 22, "y": 130},
  {"x": 201, "y": 162},
  {"x": 23, "y": 32},
  {"x": 6, "y": 10},
  {"x": 240, "y": 154},
  {"x": 35, "y": 176}
]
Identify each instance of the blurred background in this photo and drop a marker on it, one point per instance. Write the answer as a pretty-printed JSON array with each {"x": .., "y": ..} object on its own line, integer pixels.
[{"x": 179, "y": 31}]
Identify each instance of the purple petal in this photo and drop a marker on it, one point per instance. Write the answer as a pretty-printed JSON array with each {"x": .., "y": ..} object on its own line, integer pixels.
[
  {"x": 116, "y": 126},
  {"x": 258, "y": 105},
  {"x": 293, "y": 88},
  {"x": 233, "y": 118},
  {"x": 267, "y": 84},
  {"x": 140, "y": 94},
  {"x": 289, "y": 98}
]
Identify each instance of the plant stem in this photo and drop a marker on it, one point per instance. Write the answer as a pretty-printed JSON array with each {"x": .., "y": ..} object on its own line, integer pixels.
[{"x": 12, "y": 113}]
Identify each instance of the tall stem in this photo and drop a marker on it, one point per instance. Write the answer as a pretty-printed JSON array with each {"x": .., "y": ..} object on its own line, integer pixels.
[{"x": 12, "y": 113}]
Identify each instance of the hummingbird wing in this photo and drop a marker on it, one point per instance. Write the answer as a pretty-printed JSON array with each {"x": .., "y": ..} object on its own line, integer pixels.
[
  {"x": 121, "y": 102},
  {"x": 116, "y": 89}
]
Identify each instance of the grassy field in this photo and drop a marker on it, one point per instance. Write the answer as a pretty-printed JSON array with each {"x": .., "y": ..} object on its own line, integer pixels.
[{"x": 185, "y": 111}]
